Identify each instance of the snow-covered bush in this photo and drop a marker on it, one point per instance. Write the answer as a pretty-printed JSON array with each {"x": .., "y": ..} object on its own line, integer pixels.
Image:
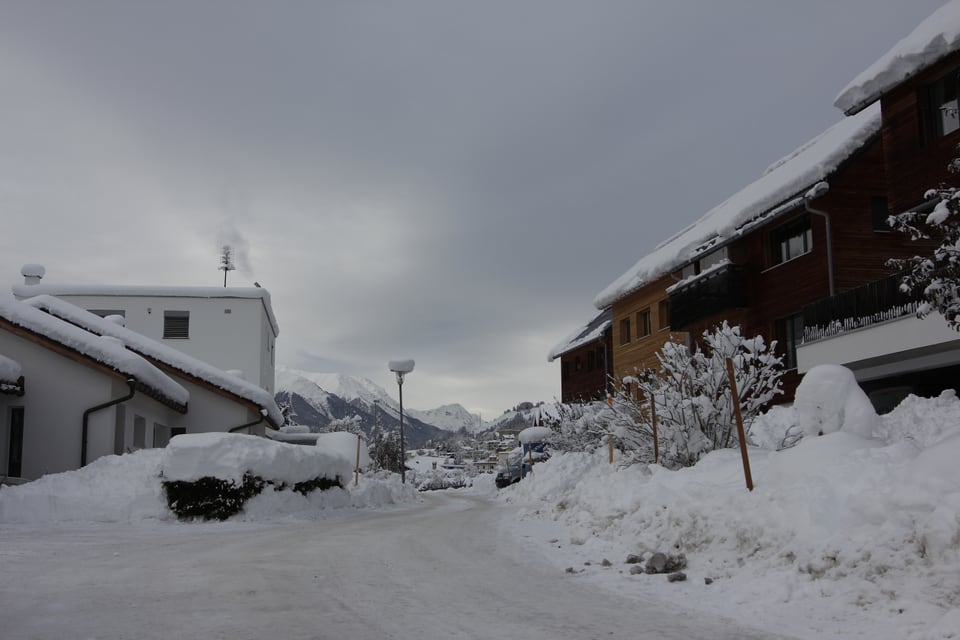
[
  {"x": 935, "y": 277},
  {"x": 692, "y": 396},
  {"x": 212, "y": 475}
]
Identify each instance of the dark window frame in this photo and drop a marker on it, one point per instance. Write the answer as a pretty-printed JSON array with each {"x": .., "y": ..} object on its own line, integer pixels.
[
  {"x": 644, "y": 323},
  {"x": 625, "y": 330},
  {"x": 791, "y": 241}
]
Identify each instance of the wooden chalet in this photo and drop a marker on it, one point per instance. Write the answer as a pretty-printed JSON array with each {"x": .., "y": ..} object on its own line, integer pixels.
[{"x": 585, "y": 362}]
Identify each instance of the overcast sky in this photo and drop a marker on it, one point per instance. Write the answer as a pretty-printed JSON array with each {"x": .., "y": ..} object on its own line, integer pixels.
[{"x": 446, "y": 181}]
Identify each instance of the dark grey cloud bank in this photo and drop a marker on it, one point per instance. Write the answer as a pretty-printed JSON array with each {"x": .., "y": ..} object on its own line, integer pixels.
[{"x": 452, "y": 182}]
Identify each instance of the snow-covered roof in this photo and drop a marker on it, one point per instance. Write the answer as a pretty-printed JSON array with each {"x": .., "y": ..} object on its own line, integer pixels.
[
  {"x": 780, "y": 189},
  {"x": 935, "y": 38},
  {"x": 103, "y": 349},
  {"x": 583, "y": 335},
  {"x": 30, "y": 290},
  {"x": 535, "y": 434},
  {"x": 154, "y": 350}
]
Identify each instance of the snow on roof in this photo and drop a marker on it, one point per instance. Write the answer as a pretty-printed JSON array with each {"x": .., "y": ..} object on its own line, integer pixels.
[
  {"x": 30, "y": 290},
  {"x": 9, "y": 369},
  {"x": 583, "y": 335},
  {"x": 535, "y": 434},
  {"x": 778, "y": 190},
  {"x": 160, "y": 352},
  {"x": 105, "y": 350},
  {"x": 935, "y": 38}
]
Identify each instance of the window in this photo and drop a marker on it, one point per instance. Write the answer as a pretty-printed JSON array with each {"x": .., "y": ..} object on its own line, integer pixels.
[
  {"x": 789, "y": 337},
  {"x": 577, "y": 364},
  {"x": 601, "y": 358},
  {"x": 879, "y": 213},
  {"x": 566, "y": 370},
  {"x": 120, "y": 430},
  {"x": 941, "y": 117},
  {"x": 625, "y": 331},
  {"x": 792, "y": 240},
  {"x": 663, "y": 314},
  {"x": 643, "y": 323},
  {"x": 176, "y": 324},
  {"x": 139, "y": 432},
  {"x": 591, "y": 361}
]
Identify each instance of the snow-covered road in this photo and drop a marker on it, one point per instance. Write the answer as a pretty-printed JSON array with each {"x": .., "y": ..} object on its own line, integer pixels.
[{"x": 438, "y": 570}]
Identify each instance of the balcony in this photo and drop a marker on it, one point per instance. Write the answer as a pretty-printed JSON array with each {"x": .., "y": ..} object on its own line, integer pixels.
[
  {"x": 712, "y": 292},
  {"x": 865, "y": 306}
]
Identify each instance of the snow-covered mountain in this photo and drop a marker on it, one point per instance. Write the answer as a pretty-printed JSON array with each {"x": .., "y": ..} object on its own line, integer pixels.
[
  {"x": 316, "y": 399},
  {"x": 450, "y": 417}
]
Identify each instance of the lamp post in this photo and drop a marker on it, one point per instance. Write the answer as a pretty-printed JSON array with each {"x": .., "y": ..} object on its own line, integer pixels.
[{"x": 401, "y": 368}]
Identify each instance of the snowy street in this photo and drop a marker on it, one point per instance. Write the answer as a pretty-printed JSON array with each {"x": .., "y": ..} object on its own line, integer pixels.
[{"x": 436, "y": 570}]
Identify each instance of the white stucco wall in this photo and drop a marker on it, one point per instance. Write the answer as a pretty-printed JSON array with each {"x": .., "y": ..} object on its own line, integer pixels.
[
  {"x": 58, "y": 391},
  {"x": 229, "y": 333}
]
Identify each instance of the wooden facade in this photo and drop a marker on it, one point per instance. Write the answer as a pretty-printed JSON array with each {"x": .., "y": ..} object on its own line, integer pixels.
[
  {"x": 772, "y": 294},
  {"x": 635, "y": 345},
  {"x": 586, "y": 362},
  {"x": 916, "y": 155}
]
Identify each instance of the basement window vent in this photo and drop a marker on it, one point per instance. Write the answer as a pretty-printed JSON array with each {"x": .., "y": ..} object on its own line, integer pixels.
[{"x": 176, "y": 324}]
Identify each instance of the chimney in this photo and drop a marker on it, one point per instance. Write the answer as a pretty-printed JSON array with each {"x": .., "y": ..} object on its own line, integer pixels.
[{"x": 32, "y": 273}]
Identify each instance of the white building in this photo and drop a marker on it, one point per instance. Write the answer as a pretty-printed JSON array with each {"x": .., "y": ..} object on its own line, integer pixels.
[
  {"x": 232, "y": 328},
  {"x": 75, "y": 387}
]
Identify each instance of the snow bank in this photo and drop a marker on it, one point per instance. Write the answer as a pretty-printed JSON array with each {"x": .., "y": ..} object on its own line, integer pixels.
[
  {"x": 344, "y": 444},
  {"x": 229, "y": 456},
  {"x": 128, "y": 488},
  {"x": 873, "y": 524},
  {"x": 110, "y": 489}
]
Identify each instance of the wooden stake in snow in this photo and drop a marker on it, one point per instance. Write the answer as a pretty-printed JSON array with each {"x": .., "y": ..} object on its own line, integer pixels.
[
  {"x": 356, "y": 470},
  {"x": 739, "y": 416},
  {"x": 653, "y": 421},
  {"x": 610, "y": 446}
]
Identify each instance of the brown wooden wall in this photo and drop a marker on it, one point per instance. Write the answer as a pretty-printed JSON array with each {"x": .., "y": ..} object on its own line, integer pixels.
[
  {"x": 640, "y": 352},
  {"x": 581, "y": 382},
  {"x": 913, "y": 163}
]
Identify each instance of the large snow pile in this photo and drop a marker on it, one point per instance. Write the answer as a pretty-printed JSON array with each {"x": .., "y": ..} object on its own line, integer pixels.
[
  {"x": 867, "y": 523},
  {"x": 230, "y": 456},
  {"x": 128, "y": 488}
]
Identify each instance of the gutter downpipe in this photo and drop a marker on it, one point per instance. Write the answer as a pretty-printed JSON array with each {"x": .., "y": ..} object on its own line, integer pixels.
[
  {"x": 131, "y": 382},
  {"x": 247, "y": 425},
  {"x": 816, "y": 191}
]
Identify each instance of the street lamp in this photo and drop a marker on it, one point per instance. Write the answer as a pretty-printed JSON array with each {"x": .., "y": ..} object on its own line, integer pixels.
[{"x": 401, "y": 368}]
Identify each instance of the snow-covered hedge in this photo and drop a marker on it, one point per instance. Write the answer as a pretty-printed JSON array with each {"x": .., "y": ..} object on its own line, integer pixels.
[{"x": 212, "y": 475}]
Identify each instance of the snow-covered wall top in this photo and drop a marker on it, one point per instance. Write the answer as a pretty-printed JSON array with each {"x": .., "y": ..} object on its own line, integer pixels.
[
  {"x": 583, "y": 335},
  {"x": 9, "y": 369},
  {"x": 90, "y": 322},
  {"x": 778, "y": 190},
  {"x": 103, "y": 349},
  {"x": 29, "y": 290},
  {"x": 932, "y": 40}
]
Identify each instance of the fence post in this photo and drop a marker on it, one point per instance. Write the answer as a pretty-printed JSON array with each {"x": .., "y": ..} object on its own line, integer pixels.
[
  {"x": 610, "y": 447},
  {"x": 739, "y": 416}
]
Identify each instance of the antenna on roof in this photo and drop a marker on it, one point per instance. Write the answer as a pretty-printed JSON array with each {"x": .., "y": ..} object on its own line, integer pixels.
[{"x": 226, "y": 262}]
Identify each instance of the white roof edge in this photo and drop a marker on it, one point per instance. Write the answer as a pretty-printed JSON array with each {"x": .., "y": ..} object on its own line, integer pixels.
[
  {"x": 813, "y": 162},
  {"x": 68, "y": 312},
  {"x": 109, "y": 353},
  {"x": 932, "y": 40},
  {"x": 30, "y": 290}
]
